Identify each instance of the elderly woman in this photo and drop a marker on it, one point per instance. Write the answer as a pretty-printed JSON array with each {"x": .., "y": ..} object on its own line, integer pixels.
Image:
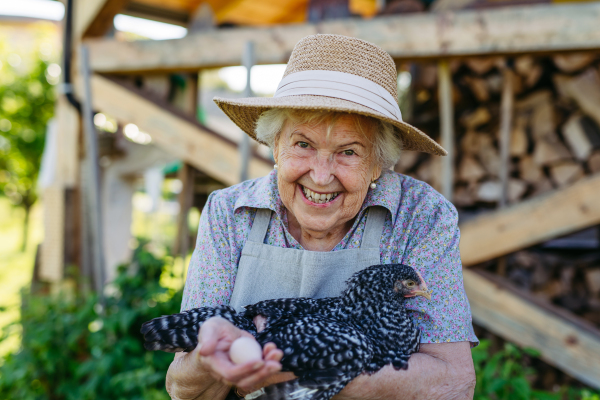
[{"x": 331, "y": 207}]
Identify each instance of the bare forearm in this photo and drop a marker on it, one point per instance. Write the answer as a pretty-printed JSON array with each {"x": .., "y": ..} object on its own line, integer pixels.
[
  {"x": 183, "y": 386},
  {"x": 428, "y": 377}
]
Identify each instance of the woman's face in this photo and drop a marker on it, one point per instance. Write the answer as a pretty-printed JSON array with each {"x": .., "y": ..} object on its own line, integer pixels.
[{"x": 323, "y": 180}]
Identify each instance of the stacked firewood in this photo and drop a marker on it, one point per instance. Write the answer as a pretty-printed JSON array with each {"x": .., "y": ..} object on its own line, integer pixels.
[{"x": 555, "y": 139}]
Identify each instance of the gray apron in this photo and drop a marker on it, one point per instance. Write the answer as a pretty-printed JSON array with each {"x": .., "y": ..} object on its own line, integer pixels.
[{"x": 269, "y": 272}]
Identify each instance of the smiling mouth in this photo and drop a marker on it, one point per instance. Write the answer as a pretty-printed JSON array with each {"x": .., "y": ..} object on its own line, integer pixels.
[{"x": 319, "y": 198}]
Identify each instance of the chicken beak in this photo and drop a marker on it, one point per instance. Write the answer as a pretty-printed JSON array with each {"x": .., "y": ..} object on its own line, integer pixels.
[
  {"x": 424, "y": 293},
  {"x": 423, "y": 288}
]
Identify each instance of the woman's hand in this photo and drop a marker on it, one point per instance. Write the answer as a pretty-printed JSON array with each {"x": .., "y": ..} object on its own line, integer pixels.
[
  {"x": 208, "y": 372},
  {"x": 215, "y": 339}
]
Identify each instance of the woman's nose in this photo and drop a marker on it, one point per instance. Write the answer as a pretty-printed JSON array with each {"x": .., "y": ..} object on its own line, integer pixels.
[{"x": 322, "y": 171}]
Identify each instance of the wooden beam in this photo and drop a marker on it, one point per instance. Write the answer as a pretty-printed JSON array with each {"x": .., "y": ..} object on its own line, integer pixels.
[
  {"x": 529, "y": 29},
  {"x": 94, "y": 17},
  {"x": 176, "y": 134},
  {"x": 563, "y": 340},
  {"x": 530, "y": 222},
  {"x": 446, "y": 127}
]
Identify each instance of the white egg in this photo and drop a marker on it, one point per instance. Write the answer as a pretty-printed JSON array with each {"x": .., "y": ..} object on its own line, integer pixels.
[{"x": 245, "y": 349}]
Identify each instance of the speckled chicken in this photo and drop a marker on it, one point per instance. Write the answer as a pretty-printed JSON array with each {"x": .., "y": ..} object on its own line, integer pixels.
[{"x": 326, "y": 342}]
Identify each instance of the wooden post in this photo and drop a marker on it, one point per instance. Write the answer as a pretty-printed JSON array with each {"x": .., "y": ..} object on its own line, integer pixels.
[
  {"x": 506, "y": 118},
  {"x": 186, "y": 175},
  {"x": 248, "y": 61},
  {"x": 93, "y": 243},
  {"x": 446, "y": 127}
]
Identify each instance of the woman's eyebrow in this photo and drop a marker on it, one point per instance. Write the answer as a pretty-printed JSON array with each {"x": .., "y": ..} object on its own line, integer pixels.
[
  {"x": 351, "y": 143},
  {"x": 302, "y": 135}
]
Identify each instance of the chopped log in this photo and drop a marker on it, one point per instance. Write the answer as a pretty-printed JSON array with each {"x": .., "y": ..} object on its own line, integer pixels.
[
  {"x": 479, "y": 88},
  {"x": 529, "y": 69},
  {"x": 407, "y": 161},
  {"x": 527, "y": 223},
  {"x": 543, "y": 120},
  {"x": 476, "y": 118},
  {"x": 594, "y": 162},
  {"x": 524, "y": 64},
  {"x": 572, "y": 62},
  {"x": 488, "y": 154},
  {"x": 584, "y": 89},
  {"x": 566, "y": 173},
  {"x": 482, "y": 65},
  {"x": 494, "y": 83},
  {"x": 516, "y": 190},
  {"x": 533, "y": 100},
  {"x": 427, "y": 76},
  {"x": 489, "y": 191},
  {"x": 530, "y": 170},
  {"x": 470, "y": 142},
  {"x": 542, "y": 186},
  {"x": 518, "y": 138},
  {"x": 549, "y": 151},
  {"x": 469, "y": 170},
  {"x": 533, "y": 76},
  {"x": 463, "y": 196},
  {"x": 576, "y": 138}
]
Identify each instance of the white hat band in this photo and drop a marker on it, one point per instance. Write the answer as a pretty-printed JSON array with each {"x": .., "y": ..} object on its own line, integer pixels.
[{"x": 340, "y": 85}]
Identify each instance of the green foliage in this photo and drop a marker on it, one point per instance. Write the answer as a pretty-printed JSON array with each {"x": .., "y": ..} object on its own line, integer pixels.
[
  {"x": 505, "y": 375},
  {"x": 26, "y": 104},
  {"x": 74, "y": 348}
]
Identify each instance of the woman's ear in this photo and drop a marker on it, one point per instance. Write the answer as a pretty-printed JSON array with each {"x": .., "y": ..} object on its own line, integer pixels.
[{"x": 376, "y": 173}]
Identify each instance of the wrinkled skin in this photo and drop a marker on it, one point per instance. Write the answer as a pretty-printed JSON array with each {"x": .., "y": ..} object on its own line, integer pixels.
[{"x": 342, "y": 162}]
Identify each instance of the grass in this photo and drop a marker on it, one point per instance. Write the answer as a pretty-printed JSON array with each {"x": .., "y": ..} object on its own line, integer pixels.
[{"x": 16, "y": 267}]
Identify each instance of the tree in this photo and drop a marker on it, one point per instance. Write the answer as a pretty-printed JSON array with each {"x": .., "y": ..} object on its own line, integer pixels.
[{"x": 26, "y": 104}]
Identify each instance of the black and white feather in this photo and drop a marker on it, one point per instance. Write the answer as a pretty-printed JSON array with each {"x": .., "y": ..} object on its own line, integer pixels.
[{"x": 326, "y": 342}]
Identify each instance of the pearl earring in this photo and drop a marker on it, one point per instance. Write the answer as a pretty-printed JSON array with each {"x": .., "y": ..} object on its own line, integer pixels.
[
  {"x": 275, "y": 166},
  {"x": 373, "y": 185}
]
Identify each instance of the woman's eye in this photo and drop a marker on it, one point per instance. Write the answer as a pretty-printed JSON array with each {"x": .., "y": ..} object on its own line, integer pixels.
[
  {"x": 349, "y": 152},
  {"x": 303, "y": 145}
]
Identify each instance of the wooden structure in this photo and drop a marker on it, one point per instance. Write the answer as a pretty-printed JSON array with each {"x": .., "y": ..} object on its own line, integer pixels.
[{"x": 563, "y": 340}]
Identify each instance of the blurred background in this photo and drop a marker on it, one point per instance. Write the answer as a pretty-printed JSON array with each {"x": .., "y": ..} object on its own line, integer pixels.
[{"x": 110, "y": 145}]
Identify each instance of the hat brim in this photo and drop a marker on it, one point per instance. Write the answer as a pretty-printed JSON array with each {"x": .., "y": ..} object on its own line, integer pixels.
[{"x": 245, "y": 112}]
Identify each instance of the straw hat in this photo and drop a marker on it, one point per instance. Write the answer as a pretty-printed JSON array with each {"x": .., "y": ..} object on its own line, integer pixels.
[{"x": 336, "y": 73}]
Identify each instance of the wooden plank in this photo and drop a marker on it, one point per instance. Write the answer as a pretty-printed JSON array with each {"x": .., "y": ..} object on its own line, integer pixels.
[
  {"x": 530, "y": 222},
  {"x": 52, "y": 258},
  {"x": 528, "y": 29},
  {"x": 565, "y": 341},
  {"x": 68, "y": 139},
  {"x": 94, "y": 17},
  {"x": 176, "y": 134},
  {"x": 446, "y": 128}
]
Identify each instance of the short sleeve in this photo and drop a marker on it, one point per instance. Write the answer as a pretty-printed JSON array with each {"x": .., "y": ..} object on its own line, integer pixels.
[
  {"x": 211, "y": 271},
  {"x": 433, "y": 250}
]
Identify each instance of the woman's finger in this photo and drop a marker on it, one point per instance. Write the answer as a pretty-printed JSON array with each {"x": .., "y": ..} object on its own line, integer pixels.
[
  {"x": 221, "y": 365},
  {"x": 214, "y": 331},
  {"x": 260, "y": 376}
]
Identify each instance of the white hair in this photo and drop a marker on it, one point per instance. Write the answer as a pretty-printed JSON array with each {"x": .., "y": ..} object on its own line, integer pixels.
[{"x": 387, "y": 145}]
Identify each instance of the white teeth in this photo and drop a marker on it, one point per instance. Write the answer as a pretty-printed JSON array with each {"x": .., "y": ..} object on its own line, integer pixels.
[{"x": 319, "y": 198}]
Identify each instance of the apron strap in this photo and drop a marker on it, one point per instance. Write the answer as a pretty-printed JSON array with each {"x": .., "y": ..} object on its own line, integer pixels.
[
  {"x": 373, "y": 228},
  {"x": 260, "y": 225}
]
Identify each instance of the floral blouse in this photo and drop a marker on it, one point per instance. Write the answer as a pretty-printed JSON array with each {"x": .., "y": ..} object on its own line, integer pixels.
[{"x": 420, "y": 231}]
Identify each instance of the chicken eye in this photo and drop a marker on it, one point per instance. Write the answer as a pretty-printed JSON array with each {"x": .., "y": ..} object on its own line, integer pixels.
[{"x": 410, "y": 284}]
